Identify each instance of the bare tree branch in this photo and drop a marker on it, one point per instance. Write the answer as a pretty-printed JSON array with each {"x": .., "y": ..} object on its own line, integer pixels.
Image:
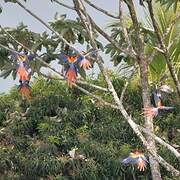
[
  {"x": 123, "y": 91},
  {"x": 162, "y": 142},
  {"x": 65, "y": 5},
  {"x": 126, "y": 36},
  {"x": 80, "y": 9},
  {"x": 101, "y": 10},
  {"x": 78, "y": 82}
]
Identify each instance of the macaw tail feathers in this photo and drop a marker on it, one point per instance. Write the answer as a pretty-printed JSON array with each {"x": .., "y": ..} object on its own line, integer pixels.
[
  {"x": 85, "y": 64},
  {"x": 141, "y": 165},
  {"x": 71, "y": 76},
  {"x": 23, "y": 74},
  {"x": 150, "y": 112},
  {"x": 25, "y": 92}
]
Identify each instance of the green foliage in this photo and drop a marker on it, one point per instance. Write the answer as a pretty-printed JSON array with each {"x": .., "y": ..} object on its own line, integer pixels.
[
  {"x": 169, "y": 3},
  {"x": 36, "y": 145}
]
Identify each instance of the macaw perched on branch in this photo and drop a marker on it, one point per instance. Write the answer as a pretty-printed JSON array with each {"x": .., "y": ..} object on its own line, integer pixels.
[
  {"x": 157, "y": 104},
  {"x": 24, "y": 90},
  {"x": 138, "y": 158},
  {"x": 72, "y": 63}
]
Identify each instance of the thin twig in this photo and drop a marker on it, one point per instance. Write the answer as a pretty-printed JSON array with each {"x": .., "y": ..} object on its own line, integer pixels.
[
  {"x": 65, "y": 5},
  {"x": 125, "y": 32},
  {"x": 78, "y": 82},
  {"x": 101, "y": 10},
  {"x": 174, "y": 21},
  {"x": 123, "y": 91}
]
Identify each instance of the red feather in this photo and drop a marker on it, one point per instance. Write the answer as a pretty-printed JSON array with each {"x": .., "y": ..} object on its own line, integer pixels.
[
  {"x": 25, "y": 92},
  {"x": 23, "y": 74},
  {"x": 71, "y": 76}
]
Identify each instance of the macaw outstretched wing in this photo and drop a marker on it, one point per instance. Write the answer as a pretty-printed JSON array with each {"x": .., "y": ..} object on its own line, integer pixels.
[
  {"x": 136, "y": 158},
  {"x": 63, "y": 57},
  {"x": 167, "y": 108},
  {"x": 31, "y": 57},
  {"x": 79, "y": 58},
  {"x": 129, "y": 160}
]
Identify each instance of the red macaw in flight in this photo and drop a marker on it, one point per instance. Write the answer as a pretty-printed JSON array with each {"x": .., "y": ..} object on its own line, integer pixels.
[
  {"x": 157, "y": 105},
  {"x": 72, "y": 62},
  {"x": 138, "y": 158},
  {"x": 23, "y": 72}
]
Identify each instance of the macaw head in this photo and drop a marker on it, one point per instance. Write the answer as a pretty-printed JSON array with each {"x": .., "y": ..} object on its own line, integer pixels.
[
  {"x": 136, "y": 151},
  {"x": 21, "y": 58}
]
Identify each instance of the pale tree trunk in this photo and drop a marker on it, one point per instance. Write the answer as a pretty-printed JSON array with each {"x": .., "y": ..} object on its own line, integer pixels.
[{"x": 155, "y": 171}]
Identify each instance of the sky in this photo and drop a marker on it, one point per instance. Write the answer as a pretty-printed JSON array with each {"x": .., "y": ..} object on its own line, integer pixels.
[{"x": 13, "y": 14}]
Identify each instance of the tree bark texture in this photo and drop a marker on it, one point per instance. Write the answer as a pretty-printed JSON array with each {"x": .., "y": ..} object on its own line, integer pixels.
[{"x": 155, "y": 170}]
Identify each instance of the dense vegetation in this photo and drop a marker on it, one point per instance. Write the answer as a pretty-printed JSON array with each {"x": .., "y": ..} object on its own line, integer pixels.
[{"x": 37, "y": 135}]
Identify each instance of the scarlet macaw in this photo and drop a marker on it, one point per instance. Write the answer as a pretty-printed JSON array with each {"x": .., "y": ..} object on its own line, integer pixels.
[
  {"x": 138, "y": 158},
  {"x": 72, "y": 62},
  {"x": 24, "y": 73},
  {"x": 157, "y": 105}
]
